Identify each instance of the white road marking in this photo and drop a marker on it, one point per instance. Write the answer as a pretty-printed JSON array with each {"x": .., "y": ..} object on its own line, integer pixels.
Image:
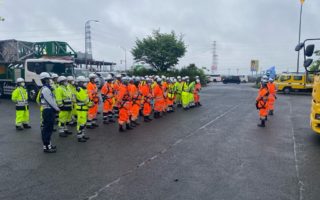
[
  {"x": 220, "y": 116},
  {"x": 300, "y": 182},
  {"x": 145, "y": 162}
]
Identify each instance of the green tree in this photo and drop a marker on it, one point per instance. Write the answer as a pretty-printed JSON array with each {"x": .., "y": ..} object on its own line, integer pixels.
[
  {"x": 316, "y": 64},
  {"x": 160, "y": 50}
]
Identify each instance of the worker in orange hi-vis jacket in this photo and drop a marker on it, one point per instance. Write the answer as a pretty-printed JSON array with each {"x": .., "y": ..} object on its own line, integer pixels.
[
  {"x": 146, "y": 96},
  {"x": 272, "y": 95},
  {"x": 262, "y": 102},
  {"x": 135, "y": 97},
  {"x": 108, "y": 101},
  {"x": 196, "y": 91},
  {"x": 93, "y": 96},
  {"x": 124, "y": 105},
  {"x": 116, "y": 86},
  {"x": 159, "y": 99}
]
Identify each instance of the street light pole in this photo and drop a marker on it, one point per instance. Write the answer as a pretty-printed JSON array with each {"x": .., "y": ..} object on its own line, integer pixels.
[
  {"x": 125, "y": 58},
  {"x": 87, "y": 44},
  {"x": 298, "y": 59}
]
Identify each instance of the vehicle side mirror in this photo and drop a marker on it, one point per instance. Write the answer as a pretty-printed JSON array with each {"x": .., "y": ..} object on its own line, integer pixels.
[
  {"x": 309, "y": 50},
  {"x": 299, "y": 47},
  {"x": 308, "y": 62}
]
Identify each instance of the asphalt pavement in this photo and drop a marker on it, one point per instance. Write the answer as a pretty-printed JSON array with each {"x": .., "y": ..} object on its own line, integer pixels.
[{"x": 212, "y": 152}]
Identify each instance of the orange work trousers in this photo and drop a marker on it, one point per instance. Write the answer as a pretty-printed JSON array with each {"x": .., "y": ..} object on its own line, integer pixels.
[
  {"x": 92, "y": 112},
  {"x": 146, "y": 109}
]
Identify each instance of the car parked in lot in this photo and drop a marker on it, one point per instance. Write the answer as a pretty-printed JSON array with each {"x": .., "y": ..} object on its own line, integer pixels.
[
  {"x": 231, "y": 79},
  {"x": 244, "y": 79},
  {"x": 214, "y": 78}
]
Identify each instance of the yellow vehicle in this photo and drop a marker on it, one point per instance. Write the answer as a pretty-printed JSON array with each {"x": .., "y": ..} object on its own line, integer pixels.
[
  {"x": 294, "y": 82},
  {"x": 315, "y": 104}
]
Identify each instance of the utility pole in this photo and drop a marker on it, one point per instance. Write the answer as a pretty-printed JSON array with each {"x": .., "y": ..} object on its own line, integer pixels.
[
  {"x": 88, "y": 45},
  {"x": 298, "y": 59},
  {"x": 214, "y": 66},
  {"x": 125, "y": 58}
]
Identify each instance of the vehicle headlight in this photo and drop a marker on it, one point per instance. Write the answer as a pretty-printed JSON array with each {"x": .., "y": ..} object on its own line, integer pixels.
[{"x": 317, "y": 117}]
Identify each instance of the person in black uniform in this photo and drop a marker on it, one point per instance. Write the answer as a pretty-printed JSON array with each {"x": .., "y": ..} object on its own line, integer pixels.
[{"x": 50, "y": 108}]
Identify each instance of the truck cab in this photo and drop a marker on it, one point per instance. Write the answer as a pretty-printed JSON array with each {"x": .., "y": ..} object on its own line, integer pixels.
[
  {"x": 313, "y": 68},
  {"x": 30, "y": 70},
  {"x": 27, "y": 60}
]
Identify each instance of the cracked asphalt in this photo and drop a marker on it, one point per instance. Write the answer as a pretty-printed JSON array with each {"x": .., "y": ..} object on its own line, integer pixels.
[{"x": 212, "y": 152}]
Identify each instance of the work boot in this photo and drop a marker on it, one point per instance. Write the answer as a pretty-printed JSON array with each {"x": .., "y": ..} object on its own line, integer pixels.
[
  {"x": 105, "y": 122},
  {"x": 72, "y": 124},
  {"x": 19, "y": 128},
  {"x": 155, "y": 115},
  {"x": 81, "y": 140},
  {"x": 121, "y": 128},
  {"x": 95, "y": 125},
  {"x": 271, "y": 112},
  {"x": 112, "y": 121},
  {"x": 263, "y": 123},
  {"x": 26, "y": 126},
  {"x": 90, "y": 127},
  {"x": 63, "y": 134},
  {"x": 68, "y": 132},
  {"x": 86, "y": 137},
  {"x": 128, "y": 127},
  {"x": 145, "y": 119},
  {"x": 148, "y": 117},
  {"x": 135, "y": 123},
  {"x": 49, "y": 149},
  {"x": 266, "y": 118},
  {"x": 132, "y": 124}
]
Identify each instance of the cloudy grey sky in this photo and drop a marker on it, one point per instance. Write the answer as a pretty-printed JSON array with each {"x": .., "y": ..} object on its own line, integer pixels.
[{"x": 244, "y": 29}]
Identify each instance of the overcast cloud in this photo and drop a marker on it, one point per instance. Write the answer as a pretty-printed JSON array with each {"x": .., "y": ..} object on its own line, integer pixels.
[{"x": 244, "y": 29}]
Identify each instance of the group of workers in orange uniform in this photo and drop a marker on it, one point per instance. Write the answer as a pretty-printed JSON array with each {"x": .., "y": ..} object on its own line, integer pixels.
[
  {"x": 126, "y": 98},
  {"x": 265, "y": 100}
]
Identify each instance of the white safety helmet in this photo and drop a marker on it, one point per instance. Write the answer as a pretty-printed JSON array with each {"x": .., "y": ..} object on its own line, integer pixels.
[
  {"x": 70, "y": 78},
  {"x": 44, "y": 75},
  {"x": 54, "y": 75},
  {"x": 264, "y": 80},
  {"x": 61, "y": 79},
  {"x": 179, "y": 77},
  {"x": 271, "y": 80},
  {"x": 91, "y": 76},
  {"x": 264, "y": 77},
  {"x": 198, "y": 80},
  {"x": 118, "y": 76},
  {"x": 19, "y": 80},
  {"x": 81, "y": 79},
  {"x": 109, "y": 77}
]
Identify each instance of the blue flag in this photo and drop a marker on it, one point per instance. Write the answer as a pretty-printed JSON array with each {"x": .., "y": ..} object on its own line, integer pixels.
[{"x": 272, "y": 72}]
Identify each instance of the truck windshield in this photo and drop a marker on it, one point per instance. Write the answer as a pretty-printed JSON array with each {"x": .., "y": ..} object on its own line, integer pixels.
[
  {"x": 81, "y": 72},
  {"x": 65, "y": 69}
]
